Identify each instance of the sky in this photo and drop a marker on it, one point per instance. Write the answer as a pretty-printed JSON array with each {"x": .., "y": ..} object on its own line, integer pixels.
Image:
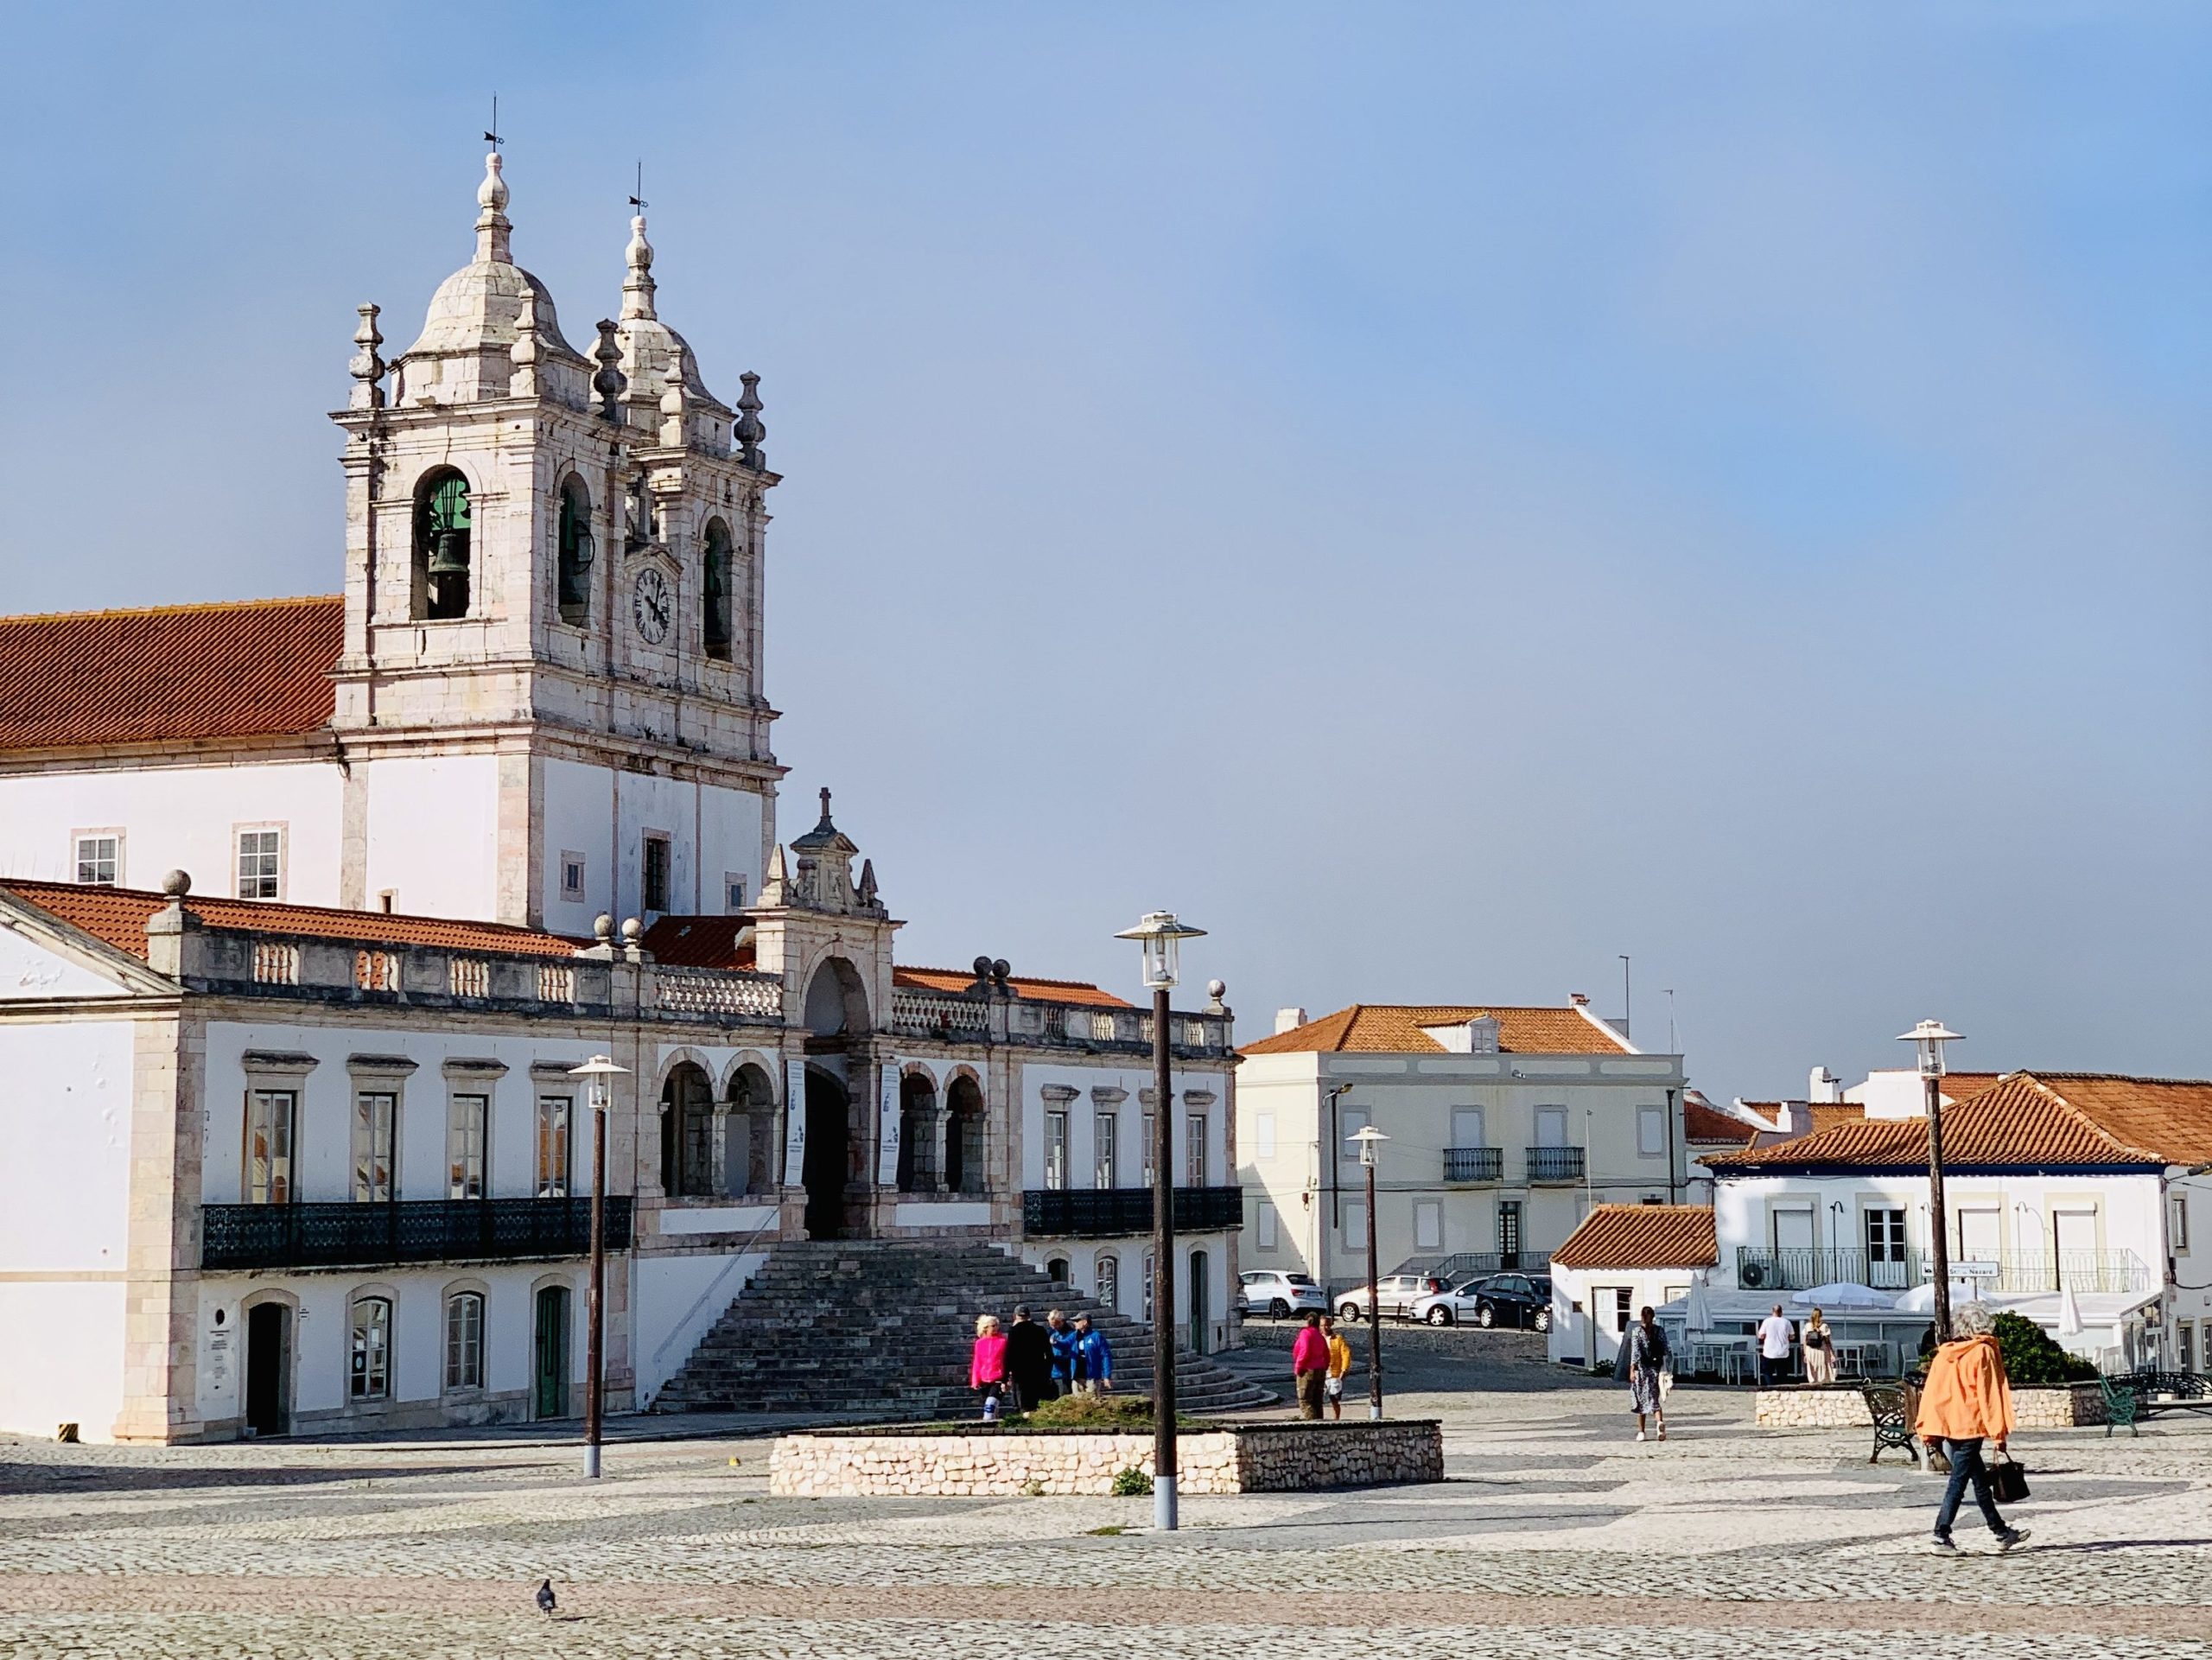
[{"x": 1439, "y": 496}]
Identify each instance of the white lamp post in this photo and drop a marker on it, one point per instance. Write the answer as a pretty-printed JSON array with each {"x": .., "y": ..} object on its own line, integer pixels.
[
  {"x": 1160, "y": 937},
  {"x": 1368, "y": 1137},
  {"x": 596, "y": 1073},
  {"x": 1928, "y": 1039}
]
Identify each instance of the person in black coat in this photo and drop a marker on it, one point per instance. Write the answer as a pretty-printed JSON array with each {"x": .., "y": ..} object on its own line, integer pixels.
[{"x": 1029, "y": 1359}]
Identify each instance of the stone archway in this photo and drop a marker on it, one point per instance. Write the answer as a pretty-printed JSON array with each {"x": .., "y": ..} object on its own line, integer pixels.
[{"x": 836, "y": 1000}]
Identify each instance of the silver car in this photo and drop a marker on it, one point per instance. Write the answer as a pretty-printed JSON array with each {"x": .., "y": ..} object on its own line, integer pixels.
[
  {"x": 1279, "y": 1294},
  {"x": 1398, "y": 1294}
]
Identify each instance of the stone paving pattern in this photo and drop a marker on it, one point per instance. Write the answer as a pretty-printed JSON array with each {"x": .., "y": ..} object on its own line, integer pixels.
[{"x": 1554, "y": 1534}]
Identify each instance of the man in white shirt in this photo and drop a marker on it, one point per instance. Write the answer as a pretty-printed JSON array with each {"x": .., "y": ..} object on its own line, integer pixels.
[{"x": 1774, "y": 1336}]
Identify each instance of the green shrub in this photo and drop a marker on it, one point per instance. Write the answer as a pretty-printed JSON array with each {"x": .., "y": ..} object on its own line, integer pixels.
[
  {"x": 2033, "y": 1358},
  {"x": 1094, "y": 1412},
  {"x": 1132, "y": 1484}
]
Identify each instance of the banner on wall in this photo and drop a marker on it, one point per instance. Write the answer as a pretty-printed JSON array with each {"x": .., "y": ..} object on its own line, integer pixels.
[
  {"x": 887, "y": 1129},
  {"x": 794, "y": 1124}
]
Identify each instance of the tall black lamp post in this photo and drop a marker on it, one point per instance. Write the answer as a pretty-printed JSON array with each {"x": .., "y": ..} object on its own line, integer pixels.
[
  {"x": 1161, "y": 937},
  {"x": 596, "y": 1073},
  {"x": 1368, "y": 1137},
  {"x": 1928, "y": 1038}
]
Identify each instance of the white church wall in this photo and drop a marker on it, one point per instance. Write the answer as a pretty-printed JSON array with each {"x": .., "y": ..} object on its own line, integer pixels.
[
  {"x": 434, "y": 835},
  {"x": 579, "y": 806},
  {"x": 729, "y": 844},
  {"x": 177, "y": 818},
  {"x": 29, "y": 970},
  {"x": 67, "y": 1108},
  {"x": 678, "y": 1299}
]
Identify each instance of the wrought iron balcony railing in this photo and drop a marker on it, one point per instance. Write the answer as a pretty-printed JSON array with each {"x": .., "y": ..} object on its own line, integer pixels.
[
  {"x": 409, "y": 1230},
  {"x": 1101, "y": 1213},
  {"x": 1474, "y": 1163},
  {"x": 1555, "y": 1164},
  {"x": 1800, "y": 1268}
]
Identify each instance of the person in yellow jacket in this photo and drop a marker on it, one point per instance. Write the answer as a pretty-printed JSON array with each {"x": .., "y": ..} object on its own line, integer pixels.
[
  {"x": 1339, "y": 1364},
  {"x": 1965, "y": 1402}
]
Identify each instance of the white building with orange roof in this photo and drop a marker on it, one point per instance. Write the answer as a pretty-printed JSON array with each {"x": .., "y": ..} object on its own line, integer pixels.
[
  {"x": 291, "y": 1141},
  {"x": 1506, "y": 1124}
]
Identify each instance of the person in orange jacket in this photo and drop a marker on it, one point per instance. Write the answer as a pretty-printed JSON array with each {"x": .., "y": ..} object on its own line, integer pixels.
[{"x": 1965, "y": 1402}]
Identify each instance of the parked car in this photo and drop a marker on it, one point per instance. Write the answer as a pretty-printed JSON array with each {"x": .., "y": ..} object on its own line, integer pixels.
[
  {"x": 1523, "y": 1300},
  {"x": 1279, "y": 1294},
  {"x": 1398, "y": 1293}
]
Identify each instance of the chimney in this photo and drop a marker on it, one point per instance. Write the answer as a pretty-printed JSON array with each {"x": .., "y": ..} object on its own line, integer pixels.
[
  {"x": 1578, "y": 999},
  {"x": 1289, "y": 1020},
  {"x": 1826, "y": 1087}
]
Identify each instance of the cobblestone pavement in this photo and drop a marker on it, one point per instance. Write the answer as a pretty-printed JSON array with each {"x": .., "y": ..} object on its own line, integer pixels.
[{"x": 1556, "y": 1534}]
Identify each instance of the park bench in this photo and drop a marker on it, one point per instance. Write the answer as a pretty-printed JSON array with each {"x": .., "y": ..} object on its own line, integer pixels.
[
  {"x": 1893, "y": 1407},
  {"x": 2120, "y": 1405},
  {"x": 2153, "y": 1392}
]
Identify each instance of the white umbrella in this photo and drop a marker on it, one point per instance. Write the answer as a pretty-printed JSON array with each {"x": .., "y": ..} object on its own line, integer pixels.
[
  {"x": 2069, "y": 1313},
  {"x": 1921, "y": 1299},
  {"x": 1844, "y": 1294},
  {"x": 1697, "y": 1310}
]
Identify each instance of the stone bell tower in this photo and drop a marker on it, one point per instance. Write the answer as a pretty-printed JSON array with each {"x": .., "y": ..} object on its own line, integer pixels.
[{"x": 550, "y": 693}]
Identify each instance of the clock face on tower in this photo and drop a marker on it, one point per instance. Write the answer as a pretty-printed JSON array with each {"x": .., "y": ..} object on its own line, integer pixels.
[{"x": 651, "y": 606}]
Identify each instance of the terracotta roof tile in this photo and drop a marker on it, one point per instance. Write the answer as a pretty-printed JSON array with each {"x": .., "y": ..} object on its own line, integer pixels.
[
  {"x": 699, "y": 942},
  {"x": 2026, "y": 1118},
  {"x": 1827, "y": 1114},
  {"x": 1048, "y": 991},
  {"x": 1396, "y": 1028},
  {"x": 1641, "y": 1235},
  {"x": 1708, "y": 1125},
  {"x": 178, "y": 674},
  {"x": 118, "y": 916}
]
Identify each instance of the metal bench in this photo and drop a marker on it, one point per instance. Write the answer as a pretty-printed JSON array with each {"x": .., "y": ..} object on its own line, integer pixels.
[
  {"x": 2155, "y": 1392},
  {"x": 2120, "y": 1405},
  {"x": 1891, "y": 1406}
]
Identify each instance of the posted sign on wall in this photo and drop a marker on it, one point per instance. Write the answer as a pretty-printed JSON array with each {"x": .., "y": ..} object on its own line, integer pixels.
[{"x": 794, "y": 1124}]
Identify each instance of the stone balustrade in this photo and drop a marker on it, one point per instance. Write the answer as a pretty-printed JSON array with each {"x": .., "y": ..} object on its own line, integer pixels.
[{"x": 1236, "y": 1459}]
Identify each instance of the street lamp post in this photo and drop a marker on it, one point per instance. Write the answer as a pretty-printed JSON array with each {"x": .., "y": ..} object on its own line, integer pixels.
[
  {"x": 596, "y": 1073},
  {"x": 1368, "y": 1136},
  {"x": 1928, "y": 1038},
  {"x": 1159, "y": 936}
]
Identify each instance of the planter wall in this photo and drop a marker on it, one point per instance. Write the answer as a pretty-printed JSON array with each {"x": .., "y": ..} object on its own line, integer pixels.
[
  {"x": 2062, "y": 1408},
  {"x": 1244, "y": 1458}
]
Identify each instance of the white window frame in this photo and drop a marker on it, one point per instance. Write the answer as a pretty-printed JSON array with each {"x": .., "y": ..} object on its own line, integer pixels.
[
  {"x": 268, "y": 1179},
  {"x": 78, "y": 839},
  {"x": 2178, "y": 1239},
  {"x": 1263, "y": 1136},
  {"x": 369, "y": 1321},
  {"x": 646, "y": 841},
  {"x": 1194, "y": 1148},
  {"x": 1547, "y": 1116},
  {"x": 1461, "y": 1116},
  {"x": 1429, "y": 1225},
  {"x": 1650, "y": 1131},
  {"x": 464, "y": 1339},
  {"x": 1106, "y": 1277},
  {"x": 1056, "y": 1149},
  {"x": 1355, "y": 1227},
  {"x": 1105, "y": 1151},
  {"x": 367, "y": 1188},
  {"x": 466, "y": 1164},
  {"x": 556, "y": 1122},
  {"x": 1267, "y": 1225},
  {"x": 572, "y": 863},
  {"x": 734, "y": 890},
  {"x": 1350, "y": 1121},
  {"x": 276, "y": 879}
]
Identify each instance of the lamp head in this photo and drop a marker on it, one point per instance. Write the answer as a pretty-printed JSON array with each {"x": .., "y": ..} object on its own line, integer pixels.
[
  {"x": 1159, "y": 936},
  {"x": 1368, "y": 1137},
  {"x": 595, "y": 1072},
  {"x": 1928, "y": 1038}
]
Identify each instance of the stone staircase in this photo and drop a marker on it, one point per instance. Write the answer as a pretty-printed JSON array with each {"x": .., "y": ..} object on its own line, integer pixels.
[{"x": 881, "y": 1329}]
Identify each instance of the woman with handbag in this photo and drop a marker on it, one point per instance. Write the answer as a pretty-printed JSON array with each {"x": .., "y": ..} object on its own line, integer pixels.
[
  {"x": 1643, "y": 1352},
  {"x": 1819, "y": 1344},
  {"x": 1965, "y": 1402}
]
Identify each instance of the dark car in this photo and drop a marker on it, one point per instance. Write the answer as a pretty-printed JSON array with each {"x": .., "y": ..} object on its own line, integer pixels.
[{"x": 1514, "y": 1299}]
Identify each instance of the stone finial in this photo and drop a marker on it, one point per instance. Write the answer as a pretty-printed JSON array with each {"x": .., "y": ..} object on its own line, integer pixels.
[
  {"x": 867, "y": 883},
  {"x": 528, "y": 351},
  {"x": 178, "y": 883},
  {"x": 671, "y": 403},
  {"x": 776, "y": 889},
  {"x": 492, "y": 225},
  {"x": 638, "y": 285},
  {"x": 632, "y": 931},
  {"x": 749, "y": 431},
  {"x": 367, "y": 366},
  {"x": 610, "y": 382},
  {"x": 603, "y": 927},
  {"x": 1216, "y": 990}
]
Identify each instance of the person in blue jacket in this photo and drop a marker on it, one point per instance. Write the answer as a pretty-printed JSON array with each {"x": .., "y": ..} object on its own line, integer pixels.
[
  {"x": 1063, "y": 1340},
  {"x": 1094, "y": 1358}
]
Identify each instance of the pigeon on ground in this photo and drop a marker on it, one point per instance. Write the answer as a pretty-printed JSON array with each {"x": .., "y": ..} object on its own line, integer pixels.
[{"x": 545, "y": 1598}]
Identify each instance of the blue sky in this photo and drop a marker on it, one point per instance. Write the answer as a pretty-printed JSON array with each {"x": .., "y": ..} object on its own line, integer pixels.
[{"x": 1439, "y": 495}]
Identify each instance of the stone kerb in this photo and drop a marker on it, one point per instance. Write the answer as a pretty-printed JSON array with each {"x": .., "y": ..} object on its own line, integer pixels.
[
  {"x": 1845, "y": 1407},
  {"x": 1253, "y": 1458}
]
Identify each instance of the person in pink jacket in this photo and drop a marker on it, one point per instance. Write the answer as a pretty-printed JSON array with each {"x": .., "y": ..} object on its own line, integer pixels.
[
  {"x": 987, "y": 1367},
  {"x": 1309, "y": 1367}
]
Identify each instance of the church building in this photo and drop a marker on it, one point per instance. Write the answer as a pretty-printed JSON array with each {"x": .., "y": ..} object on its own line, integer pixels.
[{"x": 308, "y": 907}]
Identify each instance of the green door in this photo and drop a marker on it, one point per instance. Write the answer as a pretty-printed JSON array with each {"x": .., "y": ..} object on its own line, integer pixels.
[
  {"x": 551, "y": 1394},
  {"x": 1201, "y": 1316}
]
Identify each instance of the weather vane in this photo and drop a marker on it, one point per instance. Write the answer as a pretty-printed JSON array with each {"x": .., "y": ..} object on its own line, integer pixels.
[
  {"x": 492, "y": 137},
  {"x": 638, "y": 201}
]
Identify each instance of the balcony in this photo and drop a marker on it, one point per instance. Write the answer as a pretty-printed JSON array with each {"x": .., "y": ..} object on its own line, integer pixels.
[
  {"x": 1474, "y": 1163},
  {"x": 1800, "y": 1268},
  {"x": 1107, "y": 1212},
  {"x": 411, "y": 1231},
  {"x": 1555, "y": 1164}
]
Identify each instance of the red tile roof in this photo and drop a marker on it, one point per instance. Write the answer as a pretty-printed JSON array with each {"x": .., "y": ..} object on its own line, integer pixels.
[
  {"x": 1395, "y": 1028},
  {"x": 699, "y": 942},
  {"x": 1049, "y": 991},
  {"x": 119, "y": 915},
  {"x": 2026, "y": 1118},
  {"x": 1708, "y": 1126},
  {"x": 1642, "y": 1236},
  {"x": 178, "y": 674}
]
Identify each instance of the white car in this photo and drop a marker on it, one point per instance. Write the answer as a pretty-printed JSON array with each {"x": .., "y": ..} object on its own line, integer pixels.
[
  {"x": 1279, "y": 1294},
  {"x": 1399, "y": 1294}
]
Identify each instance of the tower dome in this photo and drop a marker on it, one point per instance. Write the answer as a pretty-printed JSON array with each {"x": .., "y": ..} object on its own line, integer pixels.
[
  {"x": 464, "y": 350},
  {"x": 648, "y": 343}
]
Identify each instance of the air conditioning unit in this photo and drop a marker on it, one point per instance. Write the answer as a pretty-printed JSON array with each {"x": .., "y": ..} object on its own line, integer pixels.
[{"x": 1752, "y": 1276}]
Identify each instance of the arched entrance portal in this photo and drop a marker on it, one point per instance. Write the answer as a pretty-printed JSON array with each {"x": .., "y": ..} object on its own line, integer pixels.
[{"x": 828, "y": 1136}]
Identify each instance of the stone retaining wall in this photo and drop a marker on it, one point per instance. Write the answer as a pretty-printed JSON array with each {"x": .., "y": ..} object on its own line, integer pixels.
[
  {"x": 1249, "y": 1458},
  {"x": 1845, "y": 1408}
]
